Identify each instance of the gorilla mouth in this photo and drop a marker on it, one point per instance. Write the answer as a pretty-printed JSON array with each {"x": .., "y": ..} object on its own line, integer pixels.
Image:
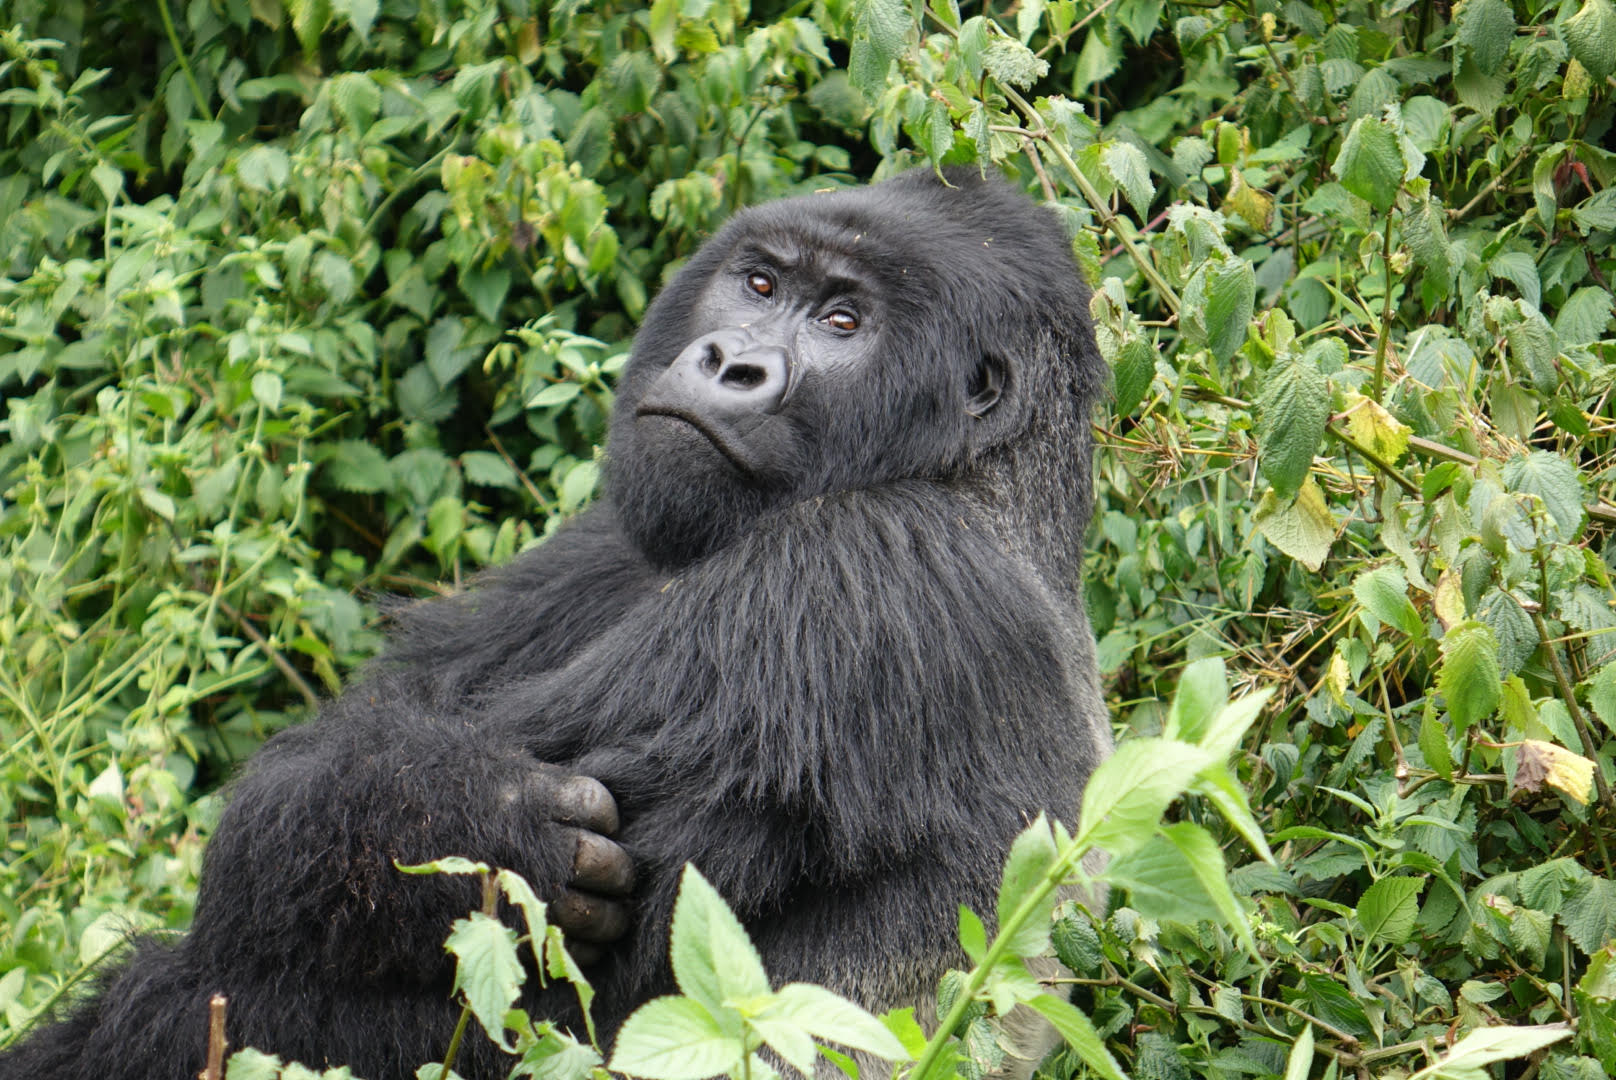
[{"x": 720, "y": 443}]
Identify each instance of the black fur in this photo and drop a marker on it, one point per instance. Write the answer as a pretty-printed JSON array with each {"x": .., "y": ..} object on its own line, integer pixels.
[{"x": 840, "y": 694}]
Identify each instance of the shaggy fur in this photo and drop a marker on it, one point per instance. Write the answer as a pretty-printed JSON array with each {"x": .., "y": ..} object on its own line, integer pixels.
[{"x": 840, "y": 697}]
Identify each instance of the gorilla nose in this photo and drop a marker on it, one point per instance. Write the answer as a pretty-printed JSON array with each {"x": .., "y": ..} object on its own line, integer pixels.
[{"x": 731, "y": 371}]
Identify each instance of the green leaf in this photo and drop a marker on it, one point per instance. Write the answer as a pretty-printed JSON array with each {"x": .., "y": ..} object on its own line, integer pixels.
[
  {"x": 713, "y": 958},
  {"x": 1585, "y": 316},
  {"x": 488, "y": 469},
  {"x": 1031, "y": 856},
  {"x": 521, "y": 894},
  {"x": 1602, "y": 695},
  {"x": 1291, "y": 417},
  {"x": 1370, "y": 164},
  {"x": 832, "y": 1018},
  {"x": 1127, "y": 166},
  {"x": 579, "y": 485},
  {"x": 1218, "y": 302},
  {"x": 1300, "y": 1061},
  {"x": 1128, "y": 793},
  {"x": 1598, "y": 211},
  {"x": 1588, "y": 913},
  {"x": 1388, "y": 908},
  {"x": 1486, "y": 27},
  {"x": 1303, "y": 529},
  {"x": 1203, "y": 691},
  {"x": 1012, "y": 63},
  {"x": 1384, "y": 595},
  {"x": 1558, "y": 483},
  {"x": 1434, "y": 744},
  {"x": 973, "y": 935},
  {"x": 266, "y": 388},
  {"x": 1161, "y": 881},
  {"x": 674, "y": 1038},
  {"x": 1591, "y": 36},
  {"x": 1469, "y": 679},
  {"x": 1134, "y": 370},
  {"x": 487, "y": 971},
  {"x": 249, "y": 1064},
  {"x": 1079, "y": 1034},
  {"x": 357, "y": 466},
  {"x": 664, "y": 20},
  {"x": 1487, "y": 1045},
  {"x": 880, "y": 30}
]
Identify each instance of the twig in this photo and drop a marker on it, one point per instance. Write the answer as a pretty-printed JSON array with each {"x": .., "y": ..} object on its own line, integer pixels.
[
  {"x": 285, "y": 667},
  {"x": 216, "y": 1040}
]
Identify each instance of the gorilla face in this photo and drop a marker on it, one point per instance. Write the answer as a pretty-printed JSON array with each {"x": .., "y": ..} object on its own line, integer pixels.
[
  {"x": 837, "y": 341},
  {"x": 747, "y": 399}
]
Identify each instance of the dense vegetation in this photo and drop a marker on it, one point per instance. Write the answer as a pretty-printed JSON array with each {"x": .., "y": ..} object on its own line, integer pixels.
[{"x": 305, "y": 301}]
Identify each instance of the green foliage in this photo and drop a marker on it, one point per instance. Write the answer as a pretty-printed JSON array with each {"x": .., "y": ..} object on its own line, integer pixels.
[{"x": 320, "y": 300}]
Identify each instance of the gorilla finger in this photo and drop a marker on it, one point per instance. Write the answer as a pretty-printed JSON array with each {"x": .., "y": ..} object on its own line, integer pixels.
[
  {"x": 583, "y": 800},
  {"x": 601, "y": 866},
  {"x": 588, "y": 918}
]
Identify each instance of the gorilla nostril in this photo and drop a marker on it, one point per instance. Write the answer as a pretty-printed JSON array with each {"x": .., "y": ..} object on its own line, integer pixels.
[
  {"x": 743, "y": 377},
  {"x": 711, "y": 359}
]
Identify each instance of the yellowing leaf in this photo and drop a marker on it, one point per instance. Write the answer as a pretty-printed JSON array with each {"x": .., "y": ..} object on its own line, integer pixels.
[
  {"x": 1545, "y": 763},
  {"x": 1256, "y": 207},
  {"x": 1448, "y": 599},
  {"x": 1371, "y": 426},
  {"x": 1304, "y": 528}
]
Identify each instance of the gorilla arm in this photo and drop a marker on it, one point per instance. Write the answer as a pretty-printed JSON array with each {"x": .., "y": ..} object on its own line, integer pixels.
[
  {"x": 842, "y": 719},
  {"x": 299, "y": 878}
]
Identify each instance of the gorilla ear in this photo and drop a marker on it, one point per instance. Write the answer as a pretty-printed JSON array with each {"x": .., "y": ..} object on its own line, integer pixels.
[{"x": 986, "y": 386}]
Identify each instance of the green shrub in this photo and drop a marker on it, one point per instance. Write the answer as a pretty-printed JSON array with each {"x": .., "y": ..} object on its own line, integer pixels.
[{"x": 321, "y": 300}]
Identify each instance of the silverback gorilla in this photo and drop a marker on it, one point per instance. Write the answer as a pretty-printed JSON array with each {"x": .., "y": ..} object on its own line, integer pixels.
[{"x": 822, "y": 637}]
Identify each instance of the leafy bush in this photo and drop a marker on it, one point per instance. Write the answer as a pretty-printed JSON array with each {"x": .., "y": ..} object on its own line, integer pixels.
[{"x": 324, "y": 300}]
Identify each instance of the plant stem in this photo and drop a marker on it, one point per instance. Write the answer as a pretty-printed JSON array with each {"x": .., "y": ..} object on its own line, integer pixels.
[
  {"x": 1384, "y": 339},
  {"x": 185, "y": 61}
]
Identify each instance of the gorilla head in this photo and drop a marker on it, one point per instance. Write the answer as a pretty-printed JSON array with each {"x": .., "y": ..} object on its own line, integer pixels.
[{"x": 915, "y": 329}]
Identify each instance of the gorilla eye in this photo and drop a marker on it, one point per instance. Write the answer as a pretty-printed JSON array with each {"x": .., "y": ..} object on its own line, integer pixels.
[
  {"x": 843, "y": 321},
  {"x": 760, "y": 283}
]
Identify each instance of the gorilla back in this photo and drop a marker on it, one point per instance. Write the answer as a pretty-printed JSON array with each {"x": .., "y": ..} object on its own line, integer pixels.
[{"x": 822, "y": 638}]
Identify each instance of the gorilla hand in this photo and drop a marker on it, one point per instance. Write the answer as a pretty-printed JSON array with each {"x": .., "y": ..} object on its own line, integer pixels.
[{"x": 590, "y": 908}]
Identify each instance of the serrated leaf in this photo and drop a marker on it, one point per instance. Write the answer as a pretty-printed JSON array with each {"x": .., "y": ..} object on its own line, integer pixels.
[
  {"x": 1602, "y": 695},
  {"x": 1079, "y": 1034},
  {"x": 1585, "y": 316},
  {"x": 1302, "y": 528},
  {"x": 1077, "y": 945},
  {"x": 488, "y": 469},
  {"x": 1032, "y": 854},
  {"x": 1013, "y": 63},
  {"x": 713, "y": 958},
  {"x": 1588, "y": 913},
  {"x": 1558, "y": 483},
  {"x": 674, "y": 1038},
  {"x": 1470, "y": 679},
  {"x": 879, "y": 34},
  {"x": 1388, "y": 908},
  {"x": 1591, "y": 36},
  {"x": 1218, "y": 302},
  {"x": 358, "y": 466},
  {"x": 488, "y": 970},
  {"x": 1370, "y": 164},
  {"x": 1292, "y": 414},
  {"x": 1486, "y": 27},
  {"x": 1134, "y": 370},
  {"x": 1127, "y": 166}
]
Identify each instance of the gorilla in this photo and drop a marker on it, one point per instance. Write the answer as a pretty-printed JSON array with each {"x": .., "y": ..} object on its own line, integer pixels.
[{"x": 822, "y": 637}]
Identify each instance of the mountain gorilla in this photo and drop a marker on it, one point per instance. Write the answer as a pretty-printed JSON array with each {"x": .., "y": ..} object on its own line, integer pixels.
[{"x": 823, "y": 638}]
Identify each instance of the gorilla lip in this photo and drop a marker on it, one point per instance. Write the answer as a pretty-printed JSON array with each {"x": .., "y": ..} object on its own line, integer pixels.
[{"x": 721, "y": 444}]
